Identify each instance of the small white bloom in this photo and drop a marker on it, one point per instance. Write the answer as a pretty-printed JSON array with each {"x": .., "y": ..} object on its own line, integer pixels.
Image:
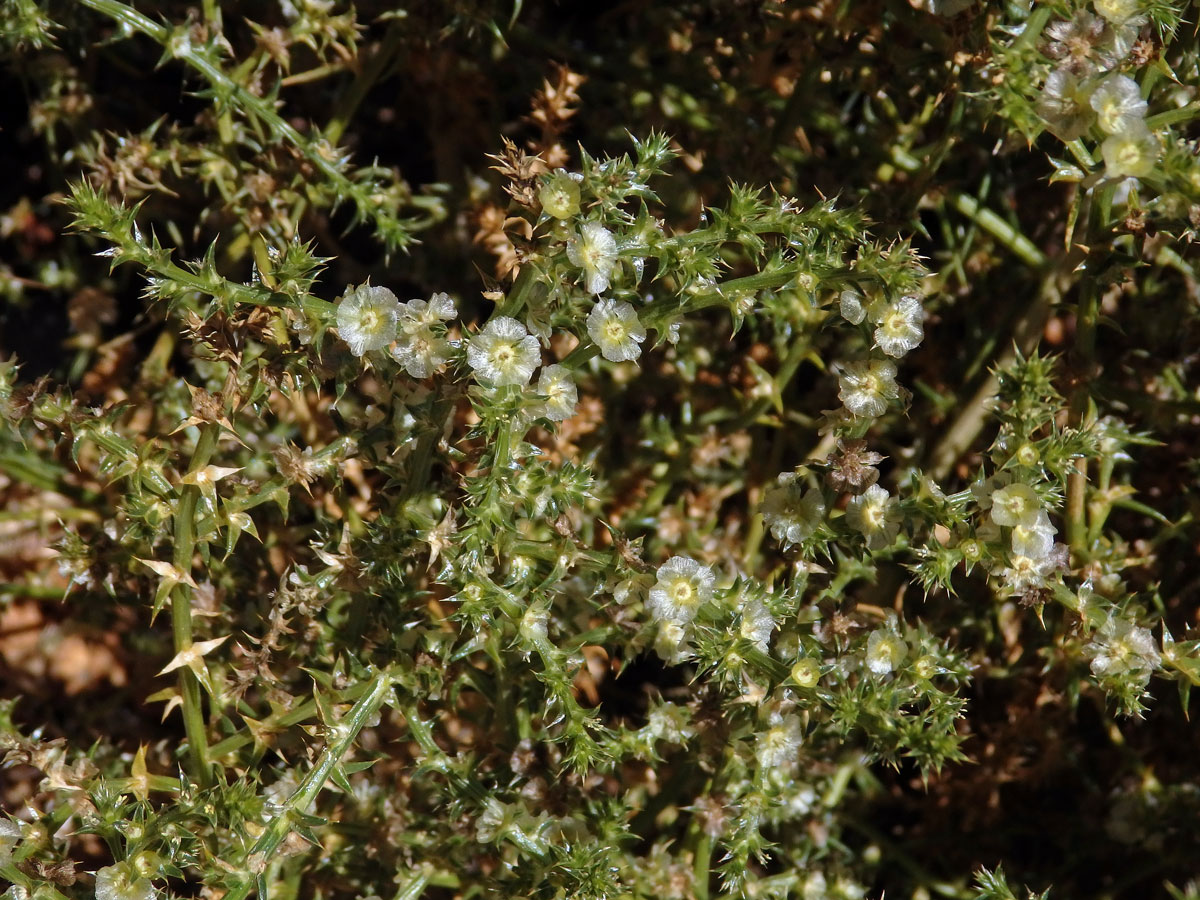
[
  {"x": 757, "y": 624},
  {"x": 560, "y": 194},
  {"x": 866, "y": 387},
  {"x": 683, "y": 587},
  {"x": 1017, "y": 504},
  {"x": 439, "y": 308},
  {"x": 850, "y": 304},
  {"x": 1035, "y": 539},
  {"x": 900, "y": 328},
  {"x": 1064, "y": 105},
  {"x": 1118, "y": 104},
  {"x": 1085, "y": 43},
  {"x": 493, "y": 821},
  {"x": 503, "y": 353},
  {"x": 671, "y": 723},
  {"x": 557, "y": 386},
  {"x": 1027, "y": 575},
  {"x": 790, "y": 512},
  {"x": 594, "y": 250},
  {"x": 671, "y": 642},
  {"x": 615, "y": 328},
  {"x": 874, "y": 515},
  {"x": 1120, "y": 12},
  {"x": 421, "y": 347},
  {"x": 803, "y": 801},
  {"x": 535, "y": 624},
  {"x": 367, "y": 318},
  {"x": 1132, "y": 152},
  {"x": 779, "y": 743},
  {"x": 421, "y": 352},
  {"x": 885, "y": 651},
  {"x": 10, "y": 836},
  {"x": 1121, "y": 648},
  {"x": 814, "y": 887},
  {"x": 119, "y": 882}
]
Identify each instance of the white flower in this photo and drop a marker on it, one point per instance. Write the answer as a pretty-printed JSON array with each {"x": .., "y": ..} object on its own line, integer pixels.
[
  {"x": 1121, "y": 648},
  {"x": 943, "y": 7},
  {"x": 119, "y": 882},
  {"x": 850, "y": 304},
  {"x": 10, "y": 836},
  {"x": 866, "y": 387},
  {"x": 1064, "y": 105},
  {"x": 900, "y": 327},
  {"x": 560, "y": 195},
  {"x": 421, "y": 352},
  {"x": 594, "y": 250},
  {"x": 1085, "y": 43},
  {"x": 557, "y": 386},
  {"x": 1120, "y": 12},
  {"x": 1026, "y": 575},
  {"x": 790, "y": 512},
  {"x": 671, "y": 642},
  {"x": 1017, "y": 504},
  {"x": 1035, "y": 539},
  {"x": 885, "y": 651},
  {"x": 440, "y": 308},
  {"x": 1118, "y": 104},
  {"x": 779, "y": 743},
  {"x": 535, "y": 624},
  {"x": 683, "y": 587},
  {"x": 503, "y": 353},
  {"x": 421, "y": 347},
  {"x": 1132, "y": 152},
  {"x": 757, "y": 624},
  {"x": 671, "y": 723},
  {"x": 615, "y": 328},
  {"x": 874, "y": 515},
  {"x": 814, "y": 887},
  {"x": 367, "y": 318}
]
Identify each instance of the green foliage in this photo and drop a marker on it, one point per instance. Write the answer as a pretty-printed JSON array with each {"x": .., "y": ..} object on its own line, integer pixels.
[{"x": 727, "y": 511}]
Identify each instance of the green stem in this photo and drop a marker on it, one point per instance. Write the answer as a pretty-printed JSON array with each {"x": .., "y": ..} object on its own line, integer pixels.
[
  {"x": 1085, "y": 353},
  {"x": 702, "y": 870},
  {"x": 302, "y": 712},
  {"x": 181, "y": 607},
  {"x": 1033, "y": 26},
  {"x": 422, "y": 457},
  {"x": 1017, "y": 244},
  {"x": 1173, "y": 116},
  {"x": 32, "y": 591},
  {"x": 344, "y": 733},
  {"x": 580, "y": 355}
]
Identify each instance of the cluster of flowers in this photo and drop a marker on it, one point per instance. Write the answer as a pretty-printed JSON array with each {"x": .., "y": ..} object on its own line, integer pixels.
[
  {"x": 1085, "y": 89},
  {"x": 371, "y": 318},
  {"x": 794, "y": 512},
  {"x": 866, "y": 387},
  {"x": 505, "y": 353},
  {"x": 612, "y": 325},
  {"x": 1017, "y": 507},
  {"x": 682, "y": 590}
]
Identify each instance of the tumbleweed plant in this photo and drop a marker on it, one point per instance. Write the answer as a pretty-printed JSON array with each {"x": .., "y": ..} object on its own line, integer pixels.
[{"x": 675, "y": 450}]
